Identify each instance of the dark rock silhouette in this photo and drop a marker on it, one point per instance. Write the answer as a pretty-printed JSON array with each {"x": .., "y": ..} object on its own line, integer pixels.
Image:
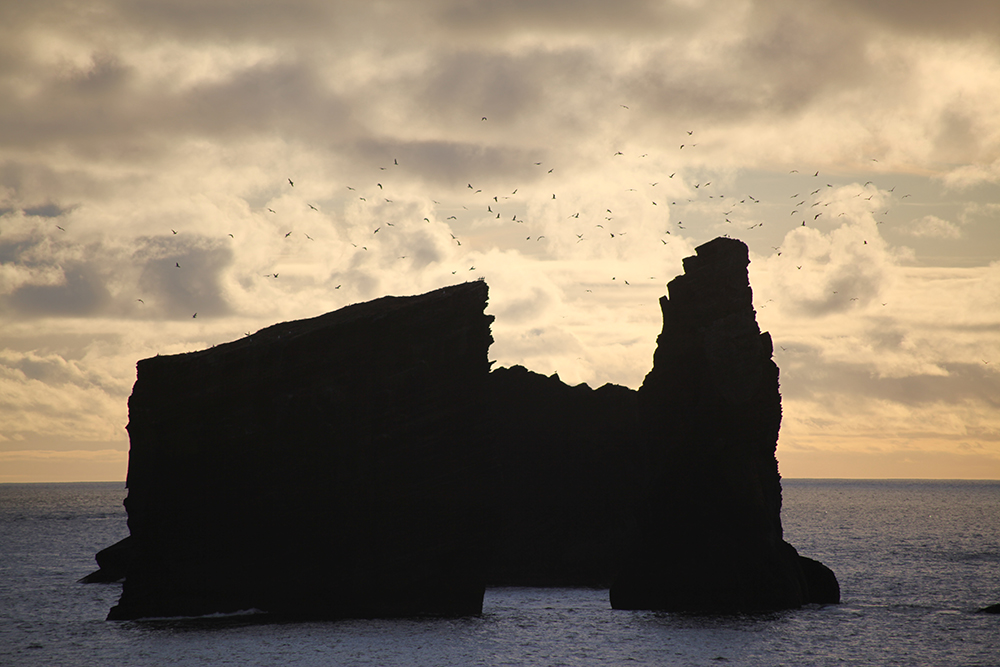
[
  {"x": 991, "y": 609},
  {"x": 568, "y": 479},
  {"x": 112, "y": 562},
  {"x": 710, "y": 535},
  {"x": 367, "y": 463},
  {"x": 324, "y": 467}
]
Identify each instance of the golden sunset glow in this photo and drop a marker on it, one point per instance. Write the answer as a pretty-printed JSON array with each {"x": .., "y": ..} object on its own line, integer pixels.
[{"x": 174, "y": 174}]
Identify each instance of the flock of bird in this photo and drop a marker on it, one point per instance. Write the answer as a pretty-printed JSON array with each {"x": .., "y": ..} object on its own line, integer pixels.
[{"x": 506, "y": 208}]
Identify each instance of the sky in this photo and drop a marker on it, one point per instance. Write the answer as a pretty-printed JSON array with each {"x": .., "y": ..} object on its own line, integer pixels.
[{"x": 177, "y": 173}]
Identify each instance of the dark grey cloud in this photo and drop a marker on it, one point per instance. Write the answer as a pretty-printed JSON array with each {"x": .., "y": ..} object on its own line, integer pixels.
[
  {"x": 108, "y": 277},
  {"x": 955, "y": 19},
  {"x": 498, "y": 85},
  {"x": 33, "y": 186},
  {"x": 49, "y": 210},
  {"x": 447, "y": 163},
  {"x": 180, "y": 276},
  {"x": 570, "y": 16},
  {"x": 810, "y": 378},
  {"x": 247, "y": 21},
  {"x": 286, "y": 98},
  {"x": 851, "y": 287},
  {"x": 81, "y": 293},
  {"x": 48, "y": 369}
]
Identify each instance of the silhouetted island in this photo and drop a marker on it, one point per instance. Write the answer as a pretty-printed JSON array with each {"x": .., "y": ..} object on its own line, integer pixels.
[{"x": 367, "y": 463}]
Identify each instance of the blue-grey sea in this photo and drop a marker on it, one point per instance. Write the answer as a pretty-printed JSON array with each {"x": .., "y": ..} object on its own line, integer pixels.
[{"x": 915, "y": 560}]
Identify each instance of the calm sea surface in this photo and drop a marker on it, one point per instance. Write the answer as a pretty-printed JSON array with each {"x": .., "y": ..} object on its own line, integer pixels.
[{"x": 914, "y": 559}]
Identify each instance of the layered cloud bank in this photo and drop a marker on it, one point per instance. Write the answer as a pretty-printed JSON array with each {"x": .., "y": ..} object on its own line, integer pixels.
[{"x": 173, "y": 175}]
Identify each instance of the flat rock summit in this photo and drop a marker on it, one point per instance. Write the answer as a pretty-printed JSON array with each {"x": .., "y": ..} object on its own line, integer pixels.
[{"x": 368, "y": 463}]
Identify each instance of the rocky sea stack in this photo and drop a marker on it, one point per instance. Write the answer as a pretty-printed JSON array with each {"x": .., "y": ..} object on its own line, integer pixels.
[
  {"x": 325, "y": 467},
  {"x": 367, "y": 463},
  {"x": 710, "y": 536}
]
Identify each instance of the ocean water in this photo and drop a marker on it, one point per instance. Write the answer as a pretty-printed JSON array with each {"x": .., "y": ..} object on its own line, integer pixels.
[{"x": 915, "y": 559}]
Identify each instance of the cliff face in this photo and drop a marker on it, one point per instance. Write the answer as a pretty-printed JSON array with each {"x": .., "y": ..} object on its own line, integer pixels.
[
  {"x": 710, "y": 535},
  {"x": 367, "y": 463},
  {"x": 329, "y": 467}
]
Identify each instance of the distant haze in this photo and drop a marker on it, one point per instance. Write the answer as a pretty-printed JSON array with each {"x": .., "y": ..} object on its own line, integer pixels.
[{"x": 174, "y": 174}]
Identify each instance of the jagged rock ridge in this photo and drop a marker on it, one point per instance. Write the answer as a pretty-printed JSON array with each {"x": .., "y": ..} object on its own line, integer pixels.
[
  {"x": 367, "y": 463},
  {"x": 710, "y": 409}
]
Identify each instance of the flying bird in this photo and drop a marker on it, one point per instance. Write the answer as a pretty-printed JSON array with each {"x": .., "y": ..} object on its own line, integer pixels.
[{"x": 290, "y": 183}]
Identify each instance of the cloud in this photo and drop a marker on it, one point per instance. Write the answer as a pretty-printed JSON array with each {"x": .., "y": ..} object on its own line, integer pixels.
[
  {"x": 163, "y": 133},
  {"x": 47, "y": 210},
  {"x": 81, "y": 292},
  {"x": 931, "y": 226}
]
